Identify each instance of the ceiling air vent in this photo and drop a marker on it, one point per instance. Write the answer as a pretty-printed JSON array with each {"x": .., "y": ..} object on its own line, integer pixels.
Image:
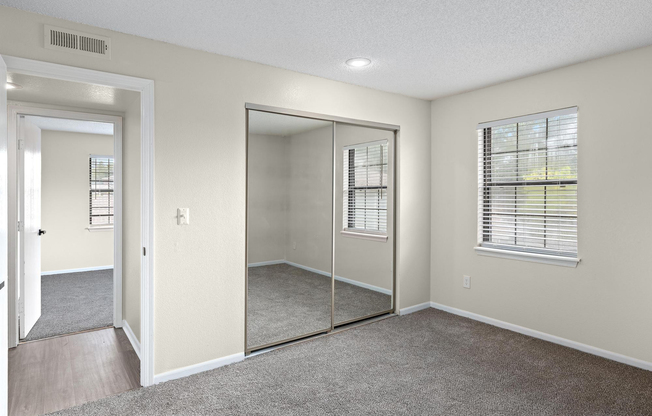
[{"x": 77, "y": 42}]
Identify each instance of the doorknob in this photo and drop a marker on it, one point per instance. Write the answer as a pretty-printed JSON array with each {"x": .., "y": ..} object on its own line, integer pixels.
[{"x": 40, "y": 232}]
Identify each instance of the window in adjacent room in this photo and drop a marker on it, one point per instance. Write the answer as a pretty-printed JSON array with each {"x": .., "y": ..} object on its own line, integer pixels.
[
  {"x": 365, "y": 188},
  {"x": 101, "y": 170},
  {"x": 528, "y": 183}
]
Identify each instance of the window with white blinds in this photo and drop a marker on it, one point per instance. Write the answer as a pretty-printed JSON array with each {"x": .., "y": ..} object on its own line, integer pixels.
[
  {"x": 528, "y": 183},
  {"x": 101, "y": 191},
  {"x": 365, "y": 187}
]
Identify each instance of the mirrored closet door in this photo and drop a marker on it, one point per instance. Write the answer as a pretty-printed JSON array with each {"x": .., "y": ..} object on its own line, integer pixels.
[
  {"x": 364, "y": 237},
  {"x": 289, "y": 228},
  {"x": 320, "y": 224}
]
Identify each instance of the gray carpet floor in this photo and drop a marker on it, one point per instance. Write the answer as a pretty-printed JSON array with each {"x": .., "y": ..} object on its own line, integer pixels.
[
  {"x": 426, "y": 363},
  {"x": 74, "y": 302},
  {"x": 286, "y": 301}
]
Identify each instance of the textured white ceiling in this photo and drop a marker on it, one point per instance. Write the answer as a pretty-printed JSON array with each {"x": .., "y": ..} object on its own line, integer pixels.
[
  {"x": 70, "y": 94},
  {"x": 75, "y": 126},
  {"x": 279, "y": 125},
  {"x": 420, "y": 48}
]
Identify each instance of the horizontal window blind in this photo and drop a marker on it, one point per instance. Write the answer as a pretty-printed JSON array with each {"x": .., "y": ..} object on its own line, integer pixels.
[
  {"x": 101, "y": 171},
  {"x": 528, "y": 184},
  {"x": 365, "y": 187}
]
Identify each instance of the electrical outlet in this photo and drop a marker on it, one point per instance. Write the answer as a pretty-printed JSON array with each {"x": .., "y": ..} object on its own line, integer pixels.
[
  {"x": 466, "y": 282},
  {"x": 294, "y": 245}
]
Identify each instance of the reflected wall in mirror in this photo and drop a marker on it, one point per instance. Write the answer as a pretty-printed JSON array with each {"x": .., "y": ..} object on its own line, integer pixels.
[
  {"x": 289, "y": 228},
  {"x": 364, "y": 237}
]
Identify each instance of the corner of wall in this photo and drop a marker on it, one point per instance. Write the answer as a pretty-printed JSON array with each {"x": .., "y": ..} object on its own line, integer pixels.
[{"x": 431, "y": 123}]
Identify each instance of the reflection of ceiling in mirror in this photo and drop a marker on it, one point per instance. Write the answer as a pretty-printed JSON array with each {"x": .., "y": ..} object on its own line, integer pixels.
[{"x": 270, "y": 124}]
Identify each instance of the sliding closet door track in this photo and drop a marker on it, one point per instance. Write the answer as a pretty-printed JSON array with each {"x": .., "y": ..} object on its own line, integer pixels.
[{"x": 345, "y": 326}]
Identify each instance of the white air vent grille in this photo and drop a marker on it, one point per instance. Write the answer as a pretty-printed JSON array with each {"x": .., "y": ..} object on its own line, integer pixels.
[{"x": 78, "y": 42}]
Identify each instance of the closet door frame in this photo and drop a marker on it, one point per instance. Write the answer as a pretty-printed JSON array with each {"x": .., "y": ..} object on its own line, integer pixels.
[{"x": 335, "y": 120}]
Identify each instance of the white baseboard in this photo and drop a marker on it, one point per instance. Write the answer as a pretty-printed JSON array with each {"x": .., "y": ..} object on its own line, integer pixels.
[
  {"x": 310, "y": 269},
  {"x": 84, "y": 269},
  {"x": 198, "y": 368},
  {"x": 266, "y": 263},
  {"x": 415, "y": 308},
  {"x": 634, "y": 362},
  {"x": 364, "y": 285},
  {"x": 342, "y": 279},
  {"x": 132, "y": 337}
]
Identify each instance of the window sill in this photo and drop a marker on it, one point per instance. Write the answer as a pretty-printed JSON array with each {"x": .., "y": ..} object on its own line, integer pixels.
[
  {"x": 531, "y": 257},
  {"x": 364, "y": 236},
  {"x": 110, "y": 228}
]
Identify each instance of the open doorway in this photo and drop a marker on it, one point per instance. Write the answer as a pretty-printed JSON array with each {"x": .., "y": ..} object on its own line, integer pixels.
[
  {"x": 76, "y": 242},
  {"x": 67, "y": 215}
]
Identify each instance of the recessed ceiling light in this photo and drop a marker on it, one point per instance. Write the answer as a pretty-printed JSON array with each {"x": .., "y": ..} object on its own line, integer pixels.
[
  {"x": 12, "y": 86},
  {"x": 358, "y": 62}
]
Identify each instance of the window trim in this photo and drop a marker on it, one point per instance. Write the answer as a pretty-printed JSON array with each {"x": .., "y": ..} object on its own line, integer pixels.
[
  {"x": 368, "y": 235},
  {"x": 102, "y": 227},
  {"x": 528, "y": 117},
  {"x": 517, "y": 252},
  {"x": 358, "y": 232},
  {"x": 527, "y": 256}
]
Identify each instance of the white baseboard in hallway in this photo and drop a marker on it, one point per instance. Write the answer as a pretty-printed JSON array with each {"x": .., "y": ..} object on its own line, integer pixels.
[
  {"x": 132, "y": 337},
  {"x": 198, "y": 368},
  {"x": 84, "y": 269},
  {"x": 634, "y": 362}
]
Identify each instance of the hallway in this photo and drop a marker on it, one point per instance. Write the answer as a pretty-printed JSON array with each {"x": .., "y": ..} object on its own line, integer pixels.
[{"x": 58, "y": 373}]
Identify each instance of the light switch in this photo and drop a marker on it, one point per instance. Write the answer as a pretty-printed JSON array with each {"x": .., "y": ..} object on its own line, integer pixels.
[{"x": 183, "y": 216}]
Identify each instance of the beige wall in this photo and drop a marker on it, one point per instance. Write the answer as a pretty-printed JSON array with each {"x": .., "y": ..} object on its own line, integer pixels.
[
  {"x": 200, "y": 145},
  {"x": 64, "y": 205},
  {"x": 131, "y": 247},
  {"x": 268, "y": 195},
  {"x": 310, "y": 199},
  {"x": 605, "y": 301}
]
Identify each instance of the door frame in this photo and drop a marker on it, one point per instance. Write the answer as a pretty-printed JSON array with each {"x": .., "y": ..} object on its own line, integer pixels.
[
  {"x": 395, "y": 129},
  {"x": 146, "y": 89},
  {"x": 15, "y": 193}
]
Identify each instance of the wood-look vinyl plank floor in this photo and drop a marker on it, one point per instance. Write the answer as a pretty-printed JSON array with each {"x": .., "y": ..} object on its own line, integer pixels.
[{"x": 58, "y": 373}]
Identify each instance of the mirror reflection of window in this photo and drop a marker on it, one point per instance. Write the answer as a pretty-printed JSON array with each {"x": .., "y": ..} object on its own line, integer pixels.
[
  {"x": 364, "y": 243},
  {"x": 365, "y": 187}
]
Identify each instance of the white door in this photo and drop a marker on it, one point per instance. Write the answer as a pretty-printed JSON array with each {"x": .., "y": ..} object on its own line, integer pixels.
[
  {"x": 4, "y": 331},
  {"x": 29, "y": 303}
]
